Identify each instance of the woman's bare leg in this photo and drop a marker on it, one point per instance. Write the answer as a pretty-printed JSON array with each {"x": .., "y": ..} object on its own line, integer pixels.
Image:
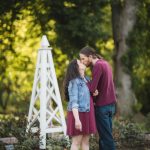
[
  {"x": 85, "y": 142},
  {"x": 76, "y": 142}
]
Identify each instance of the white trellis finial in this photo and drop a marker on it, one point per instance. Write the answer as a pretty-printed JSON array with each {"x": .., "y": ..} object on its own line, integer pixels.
[{"x": 44, "y": 42}]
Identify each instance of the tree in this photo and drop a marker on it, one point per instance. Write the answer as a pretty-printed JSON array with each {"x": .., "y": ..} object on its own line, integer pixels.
[
  {"x": 139, "y": 53},
  {"x": 78, "y": 23},
  {"x": 70, "y": 25},
  {"x": 123, "y": 20},
  {"x": 9, "y": 9}
]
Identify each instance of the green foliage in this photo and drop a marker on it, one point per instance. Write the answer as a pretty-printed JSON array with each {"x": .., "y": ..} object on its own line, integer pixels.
[
  {"x": 137, "y": 107},
  {"x": 58, "y": 142},
  {"x": 15, "y": 126},
  {"x": 80, "y": 21},
  {"x": 138, "y": 61},
  {"x": 147, "y": 124},
  {"x": 129, "y": 134},
  {"x": 20, "y": 38},
  {"x": 69, "y": 25},
  {"x": 94, "y": 140}
]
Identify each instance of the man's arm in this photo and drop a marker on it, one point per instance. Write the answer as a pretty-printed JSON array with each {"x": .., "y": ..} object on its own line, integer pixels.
[{"x": 96, "y": 74}]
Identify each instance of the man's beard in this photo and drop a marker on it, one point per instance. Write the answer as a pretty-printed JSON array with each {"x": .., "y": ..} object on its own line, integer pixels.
[{"x": 90, "y": 65}]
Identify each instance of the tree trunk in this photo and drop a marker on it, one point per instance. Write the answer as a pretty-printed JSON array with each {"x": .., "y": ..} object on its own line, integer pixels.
[{"x": 123, "y": 20}]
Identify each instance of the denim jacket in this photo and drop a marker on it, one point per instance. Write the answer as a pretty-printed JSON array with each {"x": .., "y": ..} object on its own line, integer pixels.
[{"x": 79, "y": 95}]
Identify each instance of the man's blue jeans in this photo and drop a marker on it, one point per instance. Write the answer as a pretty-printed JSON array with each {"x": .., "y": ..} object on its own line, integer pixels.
[{"x": 104, "y": 116}]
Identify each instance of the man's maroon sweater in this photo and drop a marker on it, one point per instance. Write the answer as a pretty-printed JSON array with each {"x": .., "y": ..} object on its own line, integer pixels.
[{"x": 102, "y": 80}]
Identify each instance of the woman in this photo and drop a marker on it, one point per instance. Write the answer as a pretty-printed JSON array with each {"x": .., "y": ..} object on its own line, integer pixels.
[{"x": 80, "y": 116}]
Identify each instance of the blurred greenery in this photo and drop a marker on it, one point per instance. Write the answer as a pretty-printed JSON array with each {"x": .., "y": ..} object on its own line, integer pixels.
[
  {"x": 15, "y": 126},
  {"x": 139, "y": 54},
  {"x": 69, "y": 25},
  {"x": 127, "y": 135}
]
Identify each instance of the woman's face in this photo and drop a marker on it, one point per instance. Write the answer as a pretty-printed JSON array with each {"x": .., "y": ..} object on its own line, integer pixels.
[{"x": 82, "y": 67}]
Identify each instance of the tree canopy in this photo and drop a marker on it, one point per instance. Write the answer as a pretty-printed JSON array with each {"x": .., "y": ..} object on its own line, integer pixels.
[{"x": 69, "y": 25}]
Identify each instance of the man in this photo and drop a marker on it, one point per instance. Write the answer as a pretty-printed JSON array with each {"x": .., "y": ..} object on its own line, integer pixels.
[{"x": 102, "y": 80}]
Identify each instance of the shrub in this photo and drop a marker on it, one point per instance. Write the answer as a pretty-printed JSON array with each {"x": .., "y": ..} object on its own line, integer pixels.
[
  {"x": 11, "y": 126},
  {"x": 147, "y": 124},
  {"x": 129, "y": 134}
]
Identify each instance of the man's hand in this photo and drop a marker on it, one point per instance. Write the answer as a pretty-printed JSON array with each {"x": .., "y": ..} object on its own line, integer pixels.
[{"x": 95, "y": 93}]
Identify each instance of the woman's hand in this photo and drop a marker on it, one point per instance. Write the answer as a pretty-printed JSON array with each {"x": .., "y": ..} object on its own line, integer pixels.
[
  {"x": 78, "y": 125},
  {"x": 95, "y": 93}
]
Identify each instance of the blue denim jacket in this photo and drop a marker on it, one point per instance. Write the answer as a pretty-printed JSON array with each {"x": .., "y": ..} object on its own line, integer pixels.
[{"x": 79, "y": 95}]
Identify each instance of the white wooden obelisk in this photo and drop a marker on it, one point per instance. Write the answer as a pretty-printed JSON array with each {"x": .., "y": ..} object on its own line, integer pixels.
[{"x": 45, "y": 106}]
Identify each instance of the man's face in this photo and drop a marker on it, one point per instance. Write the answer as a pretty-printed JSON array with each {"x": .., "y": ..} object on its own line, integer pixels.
[{"x": 85, "y": 60}]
